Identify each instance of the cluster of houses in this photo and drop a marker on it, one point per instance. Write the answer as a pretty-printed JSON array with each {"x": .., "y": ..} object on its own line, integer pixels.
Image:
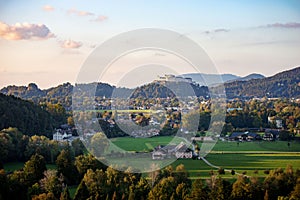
[{"x": 269, "y": 135}]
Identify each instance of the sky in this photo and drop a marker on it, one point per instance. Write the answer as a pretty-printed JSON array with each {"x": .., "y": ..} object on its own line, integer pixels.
[{"x": 48, "y": 41}]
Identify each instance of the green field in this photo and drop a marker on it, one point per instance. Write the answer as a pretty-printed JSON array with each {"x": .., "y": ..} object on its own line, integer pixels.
[
  {"x": 144, "y": 144},
  {"x": 147, "y": 144},
  {"x": 250, "y": 157},
  {"x": 240, "y": 163},
  {"x": 276, "y": 146}
]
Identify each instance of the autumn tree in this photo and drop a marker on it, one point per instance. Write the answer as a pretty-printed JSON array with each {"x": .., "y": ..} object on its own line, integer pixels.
[
  {"x": 34, "y": 169},
  {"x": 241, "y": 189},
  {"x": 220, "y": 189},
  {"x": 295, "y": 194},
  {"x": 44, "y": 196},
  {"x": 52, "y": 183},
  {"x": 82, "y": 192},
  {"x": 199, "y": 190},
  {"x": 85, "y": 162},
  {"x": 65, "y": 166},
  {"x": 65, "y": 195},
  {"x": 99, "y": 144},
  {"x": 164, "y": 190},
  {"x": 140, "y": 190}
]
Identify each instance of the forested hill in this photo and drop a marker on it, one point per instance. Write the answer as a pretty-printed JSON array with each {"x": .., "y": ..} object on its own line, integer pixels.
[
  {"x": 26, "y": 116},
  {"x": 284, "y": 84},
  {"x": 170, "y": 89},
  {"x": 61, "y": 94}
]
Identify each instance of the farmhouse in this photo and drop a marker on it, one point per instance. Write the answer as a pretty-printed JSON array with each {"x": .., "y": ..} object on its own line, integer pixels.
[{"x": 179, "y": 151}]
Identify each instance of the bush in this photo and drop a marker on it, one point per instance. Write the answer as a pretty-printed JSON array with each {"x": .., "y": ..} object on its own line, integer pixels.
[
  {"x": 221, "y": 171},
  {"x": 232, "y": 172}
]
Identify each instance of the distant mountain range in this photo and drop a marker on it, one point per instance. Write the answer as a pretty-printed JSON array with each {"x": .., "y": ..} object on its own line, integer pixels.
[
  {"x": 284, "y": 84},
  {"x": 213, "y": 79}
]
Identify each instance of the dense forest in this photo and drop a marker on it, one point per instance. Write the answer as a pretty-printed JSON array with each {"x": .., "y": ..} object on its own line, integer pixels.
[{"x": 30, "y": 118}]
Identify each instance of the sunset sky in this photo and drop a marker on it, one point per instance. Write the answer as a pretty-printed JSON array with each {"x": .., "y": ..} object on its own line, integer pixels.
[{"x": 47, "y": 41}]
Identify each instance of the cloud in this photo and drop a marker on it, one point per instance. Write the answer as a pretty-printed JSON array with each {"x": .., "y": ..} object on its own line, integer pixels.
[
  {"x": 79, "y": 12},
  {"x": 24, "y": 31},
  {"x": 216, "y": 31},
  {"x": 70, "y": 44},
  {"x": 221, "y": 30},
  {"x": 48, "y": 8},
  {"x": 282, "y": 25},
  {"x": 100, "y": 18}
]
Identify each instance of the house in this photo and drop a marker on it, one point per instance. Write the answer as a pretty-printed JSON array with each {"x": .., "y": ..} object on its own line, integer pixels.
[
  {"x": 253, "y": 136},
  {"x": 276, "y": 120},
  {"x": 240, "y": 136},
  {"x": 271, "y": 134},
  {"x": 159, "y": 155},
  {"x": 61, "y": 136}
]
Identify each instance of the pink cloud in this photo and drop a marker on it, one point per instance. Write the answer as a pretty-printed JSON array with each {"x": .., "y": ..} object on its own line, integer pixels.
[
  {"x": 79, "y": 12},
  {"x": 70, "y": 44},
  {"x": 283, "y": 25},
  {"x": 48, "y": 8},
  {"x": 24, "y": 31},
  {"x": 100, "y": 18}
]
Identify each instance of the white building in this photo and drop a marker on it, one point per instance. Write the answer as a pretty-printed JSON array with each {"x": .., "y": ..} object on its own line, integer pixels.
[
  {"x": 173, "y": 78},
  {"x": 58, "y": 136}
]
